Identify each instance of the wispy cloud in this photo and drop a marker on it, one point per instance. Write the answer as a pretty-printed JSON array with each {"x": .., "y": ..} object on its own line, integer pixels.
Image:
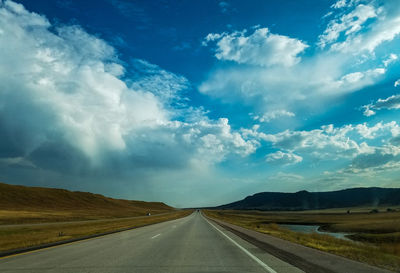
[
  {"x": 224, "y": 6},
  {"x": 272, "y": 72}
]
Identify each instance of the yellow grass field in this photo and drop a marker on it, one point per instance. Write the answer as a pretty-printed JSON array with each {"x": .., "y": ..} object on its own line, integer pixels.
[
  {"x": 20, "y": 204},
  {"x": 21, "y": 236},
  {"x": 31, "y": 216},
  {"x": 377, "y": 234}
]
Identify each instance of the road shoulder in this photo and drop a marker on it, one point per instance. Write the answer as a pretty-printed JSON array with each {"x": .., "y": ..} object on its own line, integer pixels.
[{"x": 305, "y": 258}]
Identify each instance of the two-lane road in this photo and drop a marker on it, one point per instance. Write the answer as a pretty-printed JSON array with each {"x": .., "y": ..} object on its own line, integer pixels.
[{"x": 190, "y": 244}]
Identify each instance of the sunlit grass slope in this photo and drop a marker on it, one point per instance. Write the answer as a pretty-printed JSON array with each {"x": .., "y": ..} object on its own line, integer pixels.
[{"x": 21, "y": 204}]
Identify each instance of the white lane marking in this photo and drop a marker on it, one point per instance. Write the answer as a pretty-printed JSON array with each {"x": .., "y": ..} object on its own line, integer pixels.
[
  {"x": 266, "y": 267},
  {"x": 155, "y": 236}
]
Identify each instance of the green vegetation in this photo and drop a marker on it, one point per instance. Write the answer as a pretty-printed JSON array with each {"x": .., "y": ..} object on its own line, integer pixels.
[{"x": 378, "y": 234}]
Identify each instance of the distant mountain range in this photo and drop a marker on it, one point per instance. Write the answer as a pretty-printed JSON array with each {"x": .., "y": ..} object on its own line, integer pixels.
[{"x": 304, "y": 200}]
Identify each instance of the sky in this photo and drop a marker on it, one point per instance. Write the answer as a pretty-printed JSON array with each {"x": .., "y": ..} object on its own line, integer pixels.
[{"x": 199, "y": 103}]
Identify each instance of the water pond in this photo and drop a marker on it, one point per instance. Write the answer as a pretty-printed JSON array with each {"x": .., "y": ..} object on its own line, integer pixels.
[{"x": 314, "y": 228}]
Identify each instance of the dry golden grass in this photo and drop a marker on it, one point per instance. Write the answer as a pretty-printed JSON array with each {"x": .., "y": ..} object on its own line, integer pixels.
[
  {"x": 363, "y": 209},
  {"x": 31, "y": 216},
  {"x": 20, "y": 204},
  {"x": 15, "y": 237},
  {"x": 384, "y": 222},
  {"x": 380, "y": 248},
  {"x": 10, "y": 217}
]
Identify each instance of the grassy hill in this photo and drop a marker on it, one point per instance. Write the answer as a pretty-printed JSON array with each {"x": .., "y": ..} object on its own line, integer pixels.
[{"x": 37, "y": 204}]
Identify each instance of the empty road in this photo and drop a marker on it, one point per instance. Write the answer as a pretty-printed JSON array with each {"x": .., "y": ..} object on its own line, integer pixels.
[{"x": 190, "y": 244}]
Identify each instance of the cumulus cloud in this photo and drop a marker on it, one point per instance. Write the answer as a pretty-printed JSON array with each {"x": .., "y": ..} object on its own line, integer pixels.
[
  {"x": 276, "y": 89},
  {"x": 347, "y": 60},
  {"x": 377, "y": 130},
  {"x": 275, "y": 114},
  {"x": 261, "y": 48},
  {"x": 64, "y": 105},
  {"x": 379, "y": 159},
  {"x": 397, "y": 83},
  {"x": 328, "y": 142},
  {"x": 362, "y": 147},
  {"x": 271, "y": 90},
  {"x": 355, "y": 77},
  {"x": 392, "y": 102},
  {"x": 356, "y": 146},
  {"x": 284, "y": 158},
  {"x": 358, "y": 15}
]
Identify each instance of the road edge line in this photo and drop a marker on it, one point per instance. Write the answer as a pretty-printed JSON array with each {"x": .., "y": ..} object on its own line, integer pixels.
[{"x": 261, "y": 263}]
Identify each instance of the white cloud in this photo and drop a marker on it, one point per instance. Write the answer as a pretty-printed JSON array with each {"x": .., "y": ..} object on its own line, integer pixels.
[
  {"x": 379, "y": 129},
  {"x": 348, "y": 61},
  {"x": 284, "y": 158},
  {"x": 378, "y": 159},
  {"x": 397, "y": 83},
  {"x": 328, "y": 143},
  {"x": 344, "y": 3},
  {"x": 64, "y": 106},
  {"x": 348, "y": 24},
  {"x": 391, "y": 59},
  {"x": 392, "y": 102},
  {"x": 357, "y": 77},
  {"x": 275, "y": 114},
  {"x": 214, "y": 140},
  {"x": 259, "y": 48},
  {"x": 384, "y": 27},
  {"x": 367, "y": 111},
  {"x": 150, "y": 77},
  {"x": 305, "y": 83}
]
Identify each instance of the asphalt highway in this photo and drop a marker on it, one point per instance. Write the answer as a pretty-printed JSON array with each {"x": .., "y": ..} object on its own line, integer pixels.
[{"x": 190, "y": 244}]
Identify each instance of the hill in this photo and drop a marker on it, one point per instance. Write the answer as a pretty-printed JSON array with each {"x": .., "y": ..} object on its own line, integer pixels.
[
  {"x": 73, "y": 204},
  {"x": 304, "y": 200}
]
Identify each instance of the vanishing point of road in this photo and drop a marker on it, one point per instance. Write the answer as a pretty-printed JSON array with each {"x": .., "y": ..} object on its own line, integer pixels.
[{"x": 190, "y": 244}]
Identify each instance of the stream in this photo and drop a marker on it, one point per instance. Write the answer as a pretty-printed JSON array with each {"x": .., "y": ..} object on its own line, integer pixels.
[{"x": 314, "y": 228}]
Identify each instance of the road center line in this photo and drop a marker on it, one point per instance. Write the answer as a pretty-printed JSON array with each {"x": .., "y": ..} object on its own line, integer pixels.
[
  {"x": 156, "y": 236},
  {"x": 266, "y": 267}
]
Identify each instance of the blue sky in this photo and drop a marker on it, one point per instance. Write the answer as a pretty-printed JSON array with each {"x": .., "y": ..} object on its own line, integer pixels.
[{"x": 199, "y": 103}]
